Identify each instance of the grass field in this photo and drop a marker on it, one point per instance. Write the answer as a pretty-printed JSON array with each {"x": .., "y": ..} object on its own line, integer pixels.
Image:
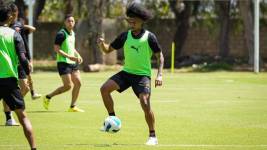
[{"x": 194, "y": 111}]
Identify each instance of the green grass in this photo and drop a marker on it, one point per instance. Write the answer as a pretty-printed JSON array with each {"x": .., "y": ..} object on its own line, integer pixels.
[{"x": 194, "y": 111}]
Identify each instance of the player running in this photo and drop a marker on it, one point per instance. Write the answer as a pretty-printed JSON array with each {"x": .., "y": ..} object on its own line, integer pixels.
[{"x": 68, "y": 59}]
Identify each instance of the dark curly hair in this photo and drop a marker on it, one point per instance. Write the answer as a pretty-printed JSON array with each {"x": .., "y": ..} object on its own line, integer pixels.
[
  {"x": 135, "y": 9},
  {"x": 5, "y": 12}
]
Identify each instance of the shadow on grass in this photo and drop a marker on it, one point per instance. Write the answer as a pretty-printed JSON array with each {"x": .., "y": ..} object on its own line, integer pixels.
[{"x": 43, "y": 111}]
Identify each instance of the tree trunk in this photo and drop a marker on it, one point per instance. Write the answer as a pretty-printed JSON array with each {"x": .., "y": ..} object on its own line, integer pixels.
[
  {"x": 1, "y": 2},
  {"x": 182, "y": 22},
  {"x": 68, "y": 6},
  {"x": 95, "y": 17},
  {"x": 224, "y": 19},
  {"x": 21, "y": 7},
  {"x": 247, "y": 17},
  {"x": 39, "y": 6}
]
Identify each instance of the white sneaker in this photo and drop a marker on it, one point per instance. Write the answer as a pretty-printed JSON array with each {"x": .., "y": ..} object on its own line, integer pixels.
[
  {"x": 36, "y": 96},
  {"x": 11, "y": 122},
  {"x": 152, "y": 141}
]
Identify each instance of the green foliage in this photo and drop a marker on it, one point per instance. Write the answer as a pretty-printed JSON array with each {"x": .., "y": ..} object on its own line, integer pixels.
[{"x": 53, "y": 11}]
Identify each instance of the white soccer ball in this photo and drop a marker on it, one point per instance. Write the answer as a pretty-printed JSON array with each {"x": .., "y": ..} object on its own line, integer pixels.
[{"x": 112, "y": 124}]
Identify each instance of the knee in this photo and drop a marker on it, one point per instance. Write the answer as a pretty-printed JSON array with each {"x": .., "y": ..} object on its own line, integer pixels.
[
  {"x": 78, "y": 84},
  {"x": 145, "y": 104},
  {"x": 104, "y": 89},
  {"x": 67, "y": 87}
]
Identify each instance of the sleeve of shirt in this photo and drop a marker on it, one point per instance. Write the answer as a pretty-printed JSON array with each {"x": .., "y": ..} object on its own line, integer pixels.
[
  {"x": 24, "y": 37},
  {"x": 153, "y": 43},
  {"x": 60, "y": 37},
  {"x": 20, "y": 50},
  {"x": 119, "y": 41}
]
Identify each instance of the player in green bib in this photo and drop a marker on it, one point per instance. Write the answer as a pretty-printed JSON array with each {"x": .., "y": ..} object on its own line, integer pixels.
[
  {"x": 12, "y": 53},
  {"x": 68, "y": 60},
  {"x": 138, "y": 45}
]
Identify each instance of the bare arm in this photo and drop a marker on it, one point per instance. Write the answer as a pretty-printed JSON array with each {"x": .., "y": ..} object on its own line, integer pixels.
[
  {"x": 30, "y": 28},
  {"x": 61, "y": 52},
  {"x": 106, "y": 48},
  {"x": 160, "y": 60}
]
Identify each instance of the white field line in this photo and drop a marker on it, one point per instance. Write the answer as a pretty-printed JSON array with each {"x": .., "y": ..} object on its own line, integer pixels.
[{"x": 138, "y": 145}]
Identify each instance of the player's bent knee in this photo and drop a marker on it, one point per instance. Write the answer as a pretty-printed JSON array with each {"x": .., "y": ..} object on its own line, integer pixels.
[
  {"x": 67, "y": 87},
  {"x": 104, "y": 89}
]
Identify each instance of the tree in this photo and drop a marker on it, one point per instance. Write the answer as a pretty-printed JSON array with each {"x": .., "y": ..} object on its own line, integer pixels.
[
  {"x": 39, "y": 6},
  {"x": 223, "y": 10},
  {"x": 21, "y": 7},
  {"x": 94, "y": 21},
  {"x": 68, "y": 6},
  {"x": 182, "y": 16},
  {"x": 246, "y": 12}
]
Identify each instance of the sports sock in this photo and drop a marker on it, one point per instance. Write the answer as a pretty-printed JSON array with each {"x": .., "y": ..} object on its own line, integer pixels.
[
  {"x": 33, "y": 148},
  {"x": 72, "y": 106},
  {"x": 152, "y": 133},
  {"x": 48, "y": 97},
  {"x": 32, "y": 92},
  {"x": 8, "y": 115},
  {"x": 112, "y": 114}
]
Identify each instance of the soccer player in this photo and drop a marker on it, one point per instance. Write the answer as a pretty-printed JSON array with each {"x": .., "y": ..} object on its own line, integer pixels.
[
  {"x": 12, "y": 52},
  {"x": 25, "y": 80},
  {"x": 68, "y": 59},
  {"x": 138, "y": 45}
]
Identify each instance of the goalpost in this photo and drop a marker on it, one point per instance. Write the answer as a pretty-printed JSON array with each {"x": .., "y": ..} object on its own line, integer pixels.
[
  {"x": 256, "y": 35},
  {"x": 30, "y": 6}
]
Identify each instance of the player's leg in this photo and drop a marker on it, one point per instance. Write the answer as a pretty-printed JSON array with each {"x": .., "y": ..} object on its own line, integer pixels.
[
  {"x": 66, "y": 79},
  {"x": 24, "y": 86},
  {"x": 15, "y": 101},
  {"x": 10, "y": 121},
  {"x": 106, "y": 89},
  {"x": 23, "y": 82},
  {"x": 141, "y": 86},
  {"x": 149, "y": 115},
  {"x": 117, "y": 82},
  {"x": 76, "y": 80},
  {"x": 27, "y": 127},
  {"x": 33, "y": 93}
]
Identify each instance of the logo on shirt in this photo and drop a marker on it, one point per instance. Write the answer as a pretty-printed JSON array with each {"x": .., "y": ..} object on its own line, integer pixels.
[{"x": 135, "y": 48}]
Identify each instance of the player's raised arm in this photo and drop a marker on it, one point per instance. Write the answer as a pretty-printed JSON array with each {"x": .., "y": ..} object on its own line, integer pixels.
[
  {"x": 30, "y": 28},
  {"x": 160, "y": 61},
  {"x": 105, "y": 47}
]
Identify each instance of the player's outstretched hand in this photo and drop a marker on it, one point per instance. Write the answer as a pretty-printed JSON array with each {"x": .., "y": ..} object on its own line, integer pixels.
[
  {"x": 158, "y": 81},
  {"x": 100, "y": 41}
]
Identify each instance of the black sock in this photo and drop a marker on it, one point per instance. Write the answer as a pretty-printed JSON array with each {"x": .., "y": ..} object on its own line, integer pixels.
[
  {"x": 8, "y": 115},
  {"x": 71, "y": 106},
  {"x": 152, "y": 133},
  {"x": 32, "y": 92},
  {"x": 112, "y": 114},
  {"x": 48, "y": 97},
  {"x": 33, "y": 148}
]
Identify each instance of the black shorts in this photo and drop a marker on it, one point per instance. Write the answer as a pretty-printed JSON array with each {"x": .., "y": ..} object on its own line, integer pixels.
[
  {"x": 65, "y": 68},
  {"x": 139, "y": 83},
  {"x": 11, "y": 94},
  {"x": 21, "y": 72}
]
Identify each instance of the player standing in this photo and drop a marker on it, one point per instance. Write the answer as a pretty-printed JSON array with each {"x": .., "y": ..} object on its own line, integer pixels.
[{"x": 138, "y": 45}]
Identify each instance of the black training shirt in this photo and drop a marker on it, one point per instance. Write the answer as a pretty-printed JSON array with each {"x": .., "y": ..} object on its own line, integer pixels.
[
  {"x": 152, "y": 41},
  {"x": 60, "y": 37}
]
